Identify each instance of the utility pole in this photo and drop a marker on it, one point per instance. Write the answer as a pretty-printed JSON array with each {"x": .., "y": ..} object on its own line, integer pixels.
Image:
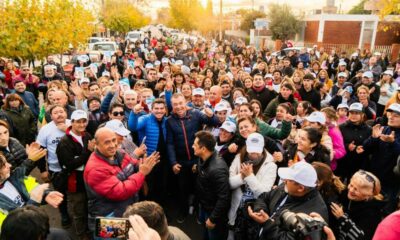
[{"x": 220, "y": 20}]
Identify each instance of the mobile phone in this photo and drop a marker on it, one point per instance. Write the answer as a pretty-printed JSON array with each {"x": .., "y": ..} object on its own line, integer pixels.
[
  {"x": 112, "y": 228},
  {"x": 143, "y": 141}
]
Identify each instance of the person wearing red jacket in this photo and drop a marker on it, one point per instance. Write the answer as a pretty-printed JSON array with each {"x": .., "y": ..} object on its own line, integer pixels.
[{"x": 112, "y": 177}]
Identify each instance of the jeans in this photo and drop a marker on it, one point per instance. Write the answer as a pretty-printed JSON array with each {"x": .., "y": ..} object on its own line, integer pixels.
[{"x": 219, "y": 232}]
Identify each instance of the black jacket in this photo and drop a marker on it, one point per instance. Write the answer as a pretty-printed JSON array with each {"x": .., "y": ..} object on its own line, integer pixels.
[
  {"x": 16, "y": 156},
  {"x": 72, "y": 155},
  {"x": 352, "y": 161},
  {"x": 270, "y": 201},
  {"x": 213, "y": 190},
  {"x": 265, "y": 96},
  {"x": 361, "y": 219},
  {"x": 313, "y": 96}
]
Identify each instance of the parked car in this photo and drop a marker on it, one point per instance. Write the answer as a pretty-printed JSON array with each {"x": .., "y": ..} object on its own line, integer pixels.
[
  {"x": 133, "y": 36},
  {"x": 105, "y": 48},
  {"x": 93, "y": 40}
]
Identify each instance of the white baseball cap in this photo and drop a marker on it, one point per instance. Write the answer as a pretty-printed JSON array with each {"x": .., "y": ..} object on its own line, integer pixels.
[
  {"x": 300, "y": 172},
  {"x": 198, "y": 91},
  {"x": 377, "y": 53},
  {"x": 368, "y": 74},
  {"x": 179, "y": 62},
  {"x": 84, "y": 80},
  {"x": 240, "y": 100},
  {"x": 105, "y": 74},
  {"x": 354, "y": 55},
  {"x": 269, "y": 75},
  {"x": 255, "y": 143},
  {"x": 356, "y": 107},
  {"x": 394, "y": 107},
  {"x": 118, "y": 127},
  {"x": 157, "y": 63},
  {"x": 221, "y": 107},
  {"x": 185, "y": 70},
  {"x": 388, "y": 72},
  {"x": 229, "y": 126},
  {"x": 342, "y": 105},
  {"x": 342, "y": 74},
  {"x": 342, "y": 63},
  {"x": 149, "y": 65},
  {"x": 318, "y": 117},
  {"x": 79, "y": 114},
  {"x": 165, "y": 60}
]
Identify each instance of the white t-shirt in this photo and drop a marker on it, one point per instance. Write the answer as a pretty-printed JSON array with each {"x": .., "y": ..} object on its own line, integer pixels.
[
  {"x": 49, "y": 136},
  {"x": 11, "y": 192}
]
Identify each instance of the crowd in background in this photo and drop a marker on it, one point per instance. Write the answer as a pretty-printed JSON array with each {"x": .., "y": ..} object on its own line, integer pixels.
[{"x": 238, "y": 136}]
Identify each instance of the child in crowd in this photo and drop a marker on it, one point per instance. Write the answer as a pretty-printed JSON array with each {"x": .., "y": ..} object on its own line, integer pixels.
[{"x": 341, "y": 112}]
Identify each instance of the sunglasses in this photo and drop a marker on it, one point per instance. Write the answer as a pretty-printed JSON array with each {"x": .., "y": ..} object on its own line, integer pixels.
[
  {"x": 368, "y": 177},
  {"x": 118, "y": 113}
]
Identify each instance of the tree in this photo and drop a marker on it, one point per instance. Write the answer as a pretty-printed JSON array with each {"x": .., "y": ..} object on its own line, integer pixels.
[
  {"x": 191, "y": 15},
  {"x": 122, "y": 16},
  {"x": 388, "y": 7},
  {"x": 283, "y": 23},
  {"x": 248, "y": 18},
  {"x": 163, "y": 16},
  {"x": 359, "y": 9},
  {"x": 34, "y": 29}
]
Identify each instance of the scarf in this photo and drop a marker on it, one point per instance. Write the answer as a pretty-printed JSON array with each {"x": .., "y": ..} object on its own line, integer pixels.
[{"x": 259, "y": 89}]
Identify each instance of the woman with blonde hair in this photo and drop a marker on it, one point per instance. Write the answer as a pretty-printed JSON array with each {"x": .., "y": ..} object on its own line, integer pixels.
[
  {"x": 368, "y": 105},
  {"x": 360, "y": 212},
  {"x": 323, "y": 77}
]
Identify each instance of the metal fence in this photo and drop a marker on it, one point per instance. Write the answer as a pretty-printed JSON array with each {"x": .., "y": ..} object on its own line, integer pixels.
[{"x": 350, "y": 48}]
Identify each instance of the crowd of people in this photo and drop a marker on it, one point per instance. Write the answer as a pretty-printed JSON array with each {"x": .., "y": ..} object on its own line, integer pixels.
[{"x": 252, "y": 144}]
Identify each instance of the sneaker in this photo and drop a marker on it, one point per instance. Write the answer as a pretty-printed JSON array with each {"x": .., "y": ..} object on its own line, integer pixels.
[{"x": 65, "y": 221}]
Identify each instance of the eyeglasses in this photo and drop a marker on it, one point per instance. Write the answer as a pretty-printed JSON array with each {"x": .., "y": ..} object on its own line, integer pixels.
[
  {"x": 368, "y": 177},
  {"x": 118, "y": 113}
]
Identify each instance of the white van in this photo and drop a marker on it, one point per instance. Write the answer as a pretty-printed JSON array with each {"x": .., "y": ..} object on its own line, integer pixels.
[{"x": 133, "y": 36}]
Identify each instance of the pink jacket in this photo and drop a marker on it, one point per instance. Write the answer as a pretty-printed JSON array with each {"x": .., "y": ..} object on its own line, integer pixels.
[{"x": 339, "y": 150}]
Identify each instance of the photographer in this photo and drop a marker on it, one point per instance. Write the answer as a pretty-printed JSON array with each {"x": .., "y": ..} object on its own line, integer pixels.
[{"x": 298, "y": 194}]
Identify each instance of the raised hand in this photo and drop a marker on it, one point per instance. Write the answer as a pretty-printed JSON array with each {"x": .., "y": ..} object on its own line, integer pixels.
[
  {"x": 35, "y": 152},
  {"x": 147, "y": 164},
  {"x": 377, "y": 131}
]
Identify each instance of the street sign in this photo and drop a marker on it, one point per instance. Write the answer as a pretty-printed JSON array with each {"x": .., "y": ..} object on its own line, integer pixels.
[{"x": 260, "y": 23}]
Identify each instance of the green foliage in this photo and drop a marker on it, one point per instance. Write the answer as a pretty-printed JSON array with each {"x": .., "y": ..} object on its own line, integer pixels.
[
  {"x": 122, "y": 16},
  {"x": 34, "y": 29},
  {"x": 359, "y": 8},
  {"x": 248, "y": 18},
  {"x": 283, "y": 23}
]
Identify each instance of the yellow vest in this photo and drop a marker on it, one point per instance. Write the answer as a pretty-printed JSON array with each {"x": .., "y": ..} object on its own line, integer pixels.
[{"x": 30, "y": 183}]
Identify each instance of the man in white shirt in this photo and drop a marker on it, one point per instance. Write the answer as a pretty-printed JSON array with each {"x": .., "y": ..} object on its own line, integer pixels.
[{"x": 49, "y": 136}]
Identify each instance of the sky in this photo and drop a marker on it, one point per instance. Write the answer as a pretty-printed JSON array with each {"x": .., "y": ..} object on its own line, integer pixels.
[{"x": 232, "y": 5}]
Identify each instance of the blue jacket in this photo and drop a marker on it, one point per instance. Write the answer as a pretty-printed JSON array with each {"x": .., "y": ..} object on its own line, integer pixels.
[
  {"x": 147, "y": 125},
  {"x": 31, "y": 101},
  {"x": 181, "y": 134}
]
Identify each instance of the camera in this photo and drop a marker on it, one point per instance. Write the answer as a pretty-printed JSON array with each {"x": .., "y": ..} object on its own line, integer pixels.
[{"x": 303, "y": 225}]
